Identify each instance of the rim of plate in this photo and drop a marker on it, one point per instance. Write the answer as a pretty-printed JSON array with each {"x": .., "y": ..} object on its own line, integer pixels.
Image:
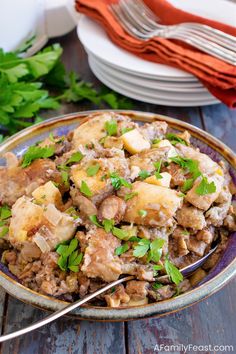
[
  {"x": 125, "y": 313},
  {"x": 141, "y": 96},
  {"x": 148, "y": 82}
]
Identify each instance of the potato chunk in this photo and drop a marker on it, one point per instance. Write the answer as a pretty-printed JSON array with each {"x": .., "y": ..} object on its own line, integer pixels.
[
  {"x": 159, "y": 203},
  {"x": 30, "y": 220},
  {"x": 204, "y": 201},
  {"x": 163, "y": 182},
  {"x": 95, "y": 183},
  {"x": 92, "y": 130},
  {"x": 165, "y": 143},
  {"x": 134, "y": 142},
  {"x": 48, "y": 194}
]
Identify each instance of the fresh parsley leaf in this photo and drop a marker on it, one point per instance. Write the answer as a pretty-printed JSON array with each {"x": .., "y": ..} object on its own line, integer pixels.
[
  {"x": 69, "y": 258},
  {"x": 175, "y": 139},
  {"x": 51, "y": 137},
  {"x": 158, "y": 175},
  {"x": 157, "y": 286},
  {"x": 108, "y": 225},
  {"x": 205, "y": 187},
  {"x": 155, "y": 141},
  {"x": 188, "y": 164},
  {"x": 121, "y": 249},
  {"x": 129, "y": 196},
  {"x": 134, "y": 239},
  {"x": 142, "y": 213},
  {"x": 143, "y": 174},
  {"x": 5, "y": 212},
  {"x": 111, "y": 127},
  {"x": 119, "y": 233},
  {"x": 157, "y": 165},
  {"x": 141, "y": 248},
  {"x": 93, "y": 170},
  {"x": 84, "y": 188},
  {"x": 65, "y": 178},
  {"x": 37, "y": 152},
  {"x": 126, "y": 130},
  {"x": 156, "y": 249},
  {"x": 94, "y": 220},
  {"x": 118, "y": 181},
  {"x": 75, "y": 157},
  {"x": 173, "y": 272},
  {"x": 188, "y": 183},
  {"x": 156, "y": 269},
  {"x": 3, "y": 231}
]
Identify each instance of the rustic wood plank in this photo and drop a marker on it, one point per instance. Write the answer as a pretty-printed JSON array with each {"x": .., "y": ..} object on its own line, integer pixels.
[
  {"x": 63, "y": 336},
  {"x": 221, "y": 122},
  {"x": 2, "y": 305},
  {"x": 209, "y": 322}
]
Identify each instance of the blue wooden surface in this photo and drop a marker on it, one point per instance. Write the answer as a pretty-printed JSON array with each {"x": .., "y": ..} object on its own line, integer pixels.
[{"x": 209, "y": 322}]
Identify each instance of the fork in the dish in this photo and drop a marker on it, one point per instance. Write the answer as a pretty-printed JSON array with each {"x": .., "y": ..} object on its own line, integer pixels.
[{"x": 138, "y": 20}]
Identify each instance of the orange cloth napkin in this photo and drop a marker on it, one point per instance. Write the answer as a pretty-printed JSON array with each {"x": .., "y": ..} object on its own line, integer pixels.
[{"x": 218, "y": 76}]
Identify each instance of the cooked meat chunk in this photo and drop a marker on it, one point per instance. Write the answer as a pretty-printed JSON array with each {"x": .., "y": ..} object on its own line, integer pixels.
[
  {"x": 206, "y": 236},
  {"x": 118, "y": 297},
  {"x": 192, "y": 217},
  {"x": 154, "y": 130},
  {"x": 113, "y": 208},
  {"x": 204, "y": 201},
  {"x": 163, "y": 293},
  {"x": 216, "y": 215},
  {"x": 99, "y": 258},
  {"x": 177, "y": 175},
  {"x": 196, "y": 246},
  {"x": 137, "y": 290},
  {"x": 159, "y": 205},
  {"x": 84, "y": 204}
]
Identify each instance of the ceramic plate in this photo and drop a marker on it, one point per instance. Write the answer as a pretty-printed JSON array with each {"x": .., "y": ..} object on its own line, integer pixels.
[
  {"x": 151, "y": 96},
  {"x": 217, "y": 278}
]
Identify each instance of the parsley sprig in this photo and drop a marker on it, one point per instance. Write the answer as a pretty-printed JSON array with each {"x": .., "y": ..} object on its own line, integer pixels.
[
  {"x": 5, "y": 214},
  {"x": 152, "y": 249},
  {"x": 175, "y": 139},
  {"x": 37, "y": 152},
  {"x": 70, "y": 257},
  {"x": 117, "y": 181}
]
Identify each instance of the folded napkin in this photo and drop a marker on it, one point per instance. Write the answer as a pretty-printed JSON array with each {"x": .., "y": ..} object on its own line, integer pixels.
[{"x": 218, "y": 76}]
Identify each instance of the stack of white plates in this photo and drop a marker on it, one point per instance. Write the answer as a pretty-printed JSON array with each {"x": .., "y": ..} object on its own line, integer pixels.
[{"x": 138, "y": 78}]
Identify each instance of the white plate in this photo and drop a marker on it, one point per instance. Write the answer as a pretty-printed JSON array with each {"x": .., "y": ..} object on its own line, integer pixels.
[
  {"x": 132, "y": 92},
  {"x": 95, "y": 40},
  {"x": 185, "y": 87}
]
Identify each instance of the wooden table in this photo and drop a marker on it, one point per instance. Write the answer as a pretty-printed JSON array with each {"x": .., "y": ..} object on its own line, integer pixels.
[{"x": 210, "y": 322}]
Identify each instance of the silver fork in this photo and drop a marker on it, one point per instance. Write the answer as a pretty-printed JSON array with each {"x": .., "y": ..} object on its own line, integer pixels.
[{"x": 138, "y": 20}]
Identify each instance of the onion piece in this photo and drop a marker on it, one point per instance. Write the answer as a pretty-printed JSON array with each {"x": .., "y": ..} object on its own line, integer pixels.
[{"x": 41, "y": 243}]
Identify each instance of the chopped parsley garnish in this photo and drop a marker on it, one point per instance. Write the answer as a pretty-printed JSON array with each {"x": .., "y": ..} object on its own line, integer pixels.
[
  {"x": 126, "y": 130},
  {"x": 188, "y": 164},
  {"x": 118, "y": 181},
  {"x": 141, "y": 248},
  {"x": 111, "y": 127},
  {"x": 70, "y": 258},
  {"x": 143, "y": 174},
  {"x": 173, "y": 272},
  {"x": 205, "y": 187},
  {"x": 121, "y": 249},
  {"x": 94, "y": 220},
  {"x": 157, "y": 166},
  {"x": 129, "y": 196},
  {"x": 142, "y": 213},
  {"x": 185, "y": 232},
  {"x": 134, "y": 239},
  {"x": 108, "y": 225},
  {"x": 119, "y": 233},
  {"x": 156, "y": 141},
  {"x": 156, "y": 269},
  {"x": 3, "y": 231},
  {"x": 153, "y": 248},
  {"x": 75, "y": 157},
  {"x": 156, "y": 249},
  {"x": 37, "y": 152},
  {"x": 187, "y": 184},
  {"x": 175, "y": 139},
  {"x": 5, "y": 212},
  {"x": 157, "y": 286},
  {"x": 93, "y": 170},
  {"x": 65, "y": 178},
  {"x": 84, "y": 188},
  {"x": 51, "y": 137}
]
